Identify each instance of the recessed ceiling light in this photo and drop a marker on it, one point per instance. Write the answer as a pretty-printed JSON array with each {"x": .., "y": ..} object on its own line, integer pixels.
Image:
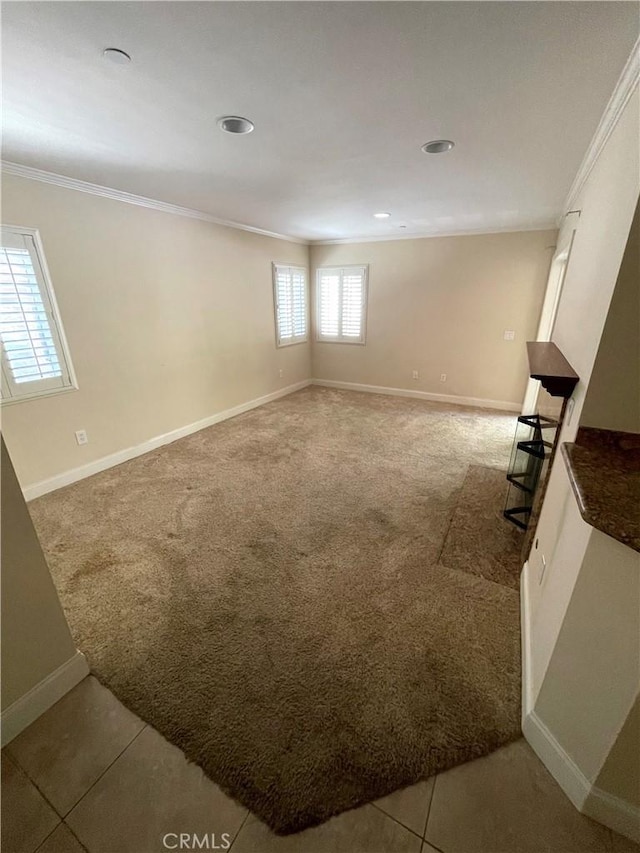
[
  {"x": 114, "y": 54},
  {"x": 438, "y": 146},
  {"x": 382, "y": 215},
  {"x": 235, "y": 124}
]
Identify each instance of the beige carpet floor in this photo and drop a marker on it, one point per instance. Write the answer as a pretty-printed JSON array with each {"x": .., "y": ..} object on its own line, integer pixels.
[
  {"x": 269, "y": 594},
  {"x": 479, "y": 540}
]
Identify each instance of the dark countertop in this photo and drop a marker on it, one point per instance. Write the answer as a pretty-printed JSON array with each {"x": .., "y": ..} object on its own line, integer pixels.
[{"x": 604, "y": 472}]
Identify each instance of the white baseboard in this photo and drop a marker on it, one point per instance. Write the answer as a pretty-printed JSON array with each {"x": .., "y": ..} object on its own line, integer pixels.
[
  {"x": 614, "y": 813},
  {"x": 617, "y": 814},
  {"x": 479, "y": 402},
  {"x": 35, "y": 490},
  {"x": 75, "y": 474},
  {"x": 40, "y": 698},
  {"x": 561, "y": 766}
]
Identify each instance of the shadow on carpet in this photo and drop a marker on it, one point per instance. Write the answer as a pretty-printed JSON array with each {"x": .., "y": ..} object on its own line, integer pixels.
[{"x": 266, "y": 593}]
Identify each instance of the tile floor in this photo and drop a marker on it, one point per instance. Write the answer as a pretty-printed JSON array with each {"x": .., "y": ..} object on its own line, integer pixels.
[{"x": 90, "y": 776}]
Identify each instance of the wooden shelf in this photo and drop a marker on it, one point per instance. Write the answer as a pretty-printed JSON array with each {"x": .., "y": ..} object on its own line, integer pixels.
[{"x": 547, "y": 364}]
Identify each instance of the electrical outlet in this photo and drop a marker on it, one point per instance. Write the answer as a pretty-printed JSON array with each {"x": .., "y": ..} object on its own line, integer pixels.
[
  {"x": 509, "y": 335},
  {"x": 82, "y": 437},
  {"x": 414, "y": 374},
  {"x": 570, "y": 407},
  {"x": 281, "y": 373},
  {"x": 443, "y": 377},
  {"x": 542, "y": 569}
]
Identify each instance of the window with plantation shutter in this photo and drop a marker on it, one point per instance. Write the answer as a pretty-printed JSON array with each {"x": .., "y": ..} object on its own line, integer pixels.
[
  {"x": 35, "y": 360},
  {"x": 290, "y": 301},
  {"x": 341, "y": 304}
]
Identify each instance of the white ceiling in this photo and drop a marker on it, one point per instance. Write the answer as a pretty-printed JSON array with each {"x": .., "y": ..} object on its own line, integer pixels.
[{"x": 342, "y": 95}]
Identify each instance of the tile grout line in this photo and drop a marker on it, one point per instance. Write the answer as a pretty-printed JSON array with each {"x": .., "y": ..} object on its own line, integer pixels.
[
  {"x": 74, "y": 835},
  {"x": 55, "y": 829},
  {"x": 426, "y": 823},
  {"x": 62, "y": 817},
  {"x": 108, "y": 767},
  {"x": 240, "y": 828},
  {"x": 42, "y": 794},
  {"x": 426, "y": 818},
  {"x": 47, "y": 837},
  {"x": 61, "y": 822},
  {"x": 395, "y": 820}
]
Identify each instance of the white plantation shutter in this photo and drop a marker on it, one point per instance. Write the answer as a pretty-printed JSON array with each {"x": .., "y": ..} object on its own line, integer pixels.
[
  {"x": 290, "y": 299},
  {"x": 341, "y": 294},
  {"x": 352, "y": 303},
  {"x": 299, "y": 299},
  {"x": 329, "y": 303},
  {"x": 34, "y": 358},
  {"x": 284, "y": 303}
]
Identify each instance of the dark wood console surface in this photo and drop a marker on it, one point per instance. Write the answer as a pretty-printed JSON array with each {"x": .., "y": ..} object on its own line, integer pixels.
[{"x": 547, "y": 364}]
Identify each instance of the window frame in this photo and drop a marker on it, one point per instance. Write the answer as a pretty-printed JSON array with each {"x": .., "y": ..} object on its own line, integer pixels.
[
  {"x": 8, "y": 386},
  {"x": 340, "y": 339},
  {"x": 295, "y": 339}
]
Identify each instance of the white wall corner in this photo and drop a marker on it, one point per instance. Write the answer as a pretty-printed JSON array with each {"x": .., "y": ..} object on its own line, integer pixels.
[
  {"x": 558, "y": 762},
  {"x": 40, "y": 698},
  {"x": 617, "y": 814},
  {"x": 625, "y": 87},
  {"x": 603, "y": 807},
  {"x": 30, "y": 173},
  {"x": 613, "y": 812}
]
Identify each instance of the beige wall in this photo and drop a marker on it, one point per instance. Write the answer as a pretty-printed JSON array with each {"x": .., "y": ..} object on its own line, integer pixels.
[
  {"x": 35, "y": 636},
  {"x": 613, "y": 397},
  {"x": 620, "y": 774},
  {"x": 593, "y": 676},
  {"x": 169, "y": 320},
  {"x": 589, "y": 589},
  {"x": 441, "y": 305},
  {"x": 607, "y": 202}
]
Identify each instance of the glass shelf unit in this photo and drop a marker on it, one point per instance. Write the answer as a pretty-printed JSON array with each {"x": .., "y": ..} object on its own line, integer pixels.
[{"x": 532, "y": 447}]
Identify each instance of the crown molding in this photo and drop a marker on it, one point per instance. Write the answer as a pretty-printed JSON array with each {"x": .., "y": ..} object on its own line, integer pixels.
[
  {"x": 478, "y": 232},
  {"x": 625, "y": 87},
  {"x": 33, "y": 174}
]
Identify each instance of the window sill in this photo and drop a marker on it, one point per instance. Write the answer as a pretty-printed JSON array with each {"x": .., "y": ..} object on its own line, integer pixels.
[
  {"x": 286, "y": 344},
  {"x": 38, "y": 395}
]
